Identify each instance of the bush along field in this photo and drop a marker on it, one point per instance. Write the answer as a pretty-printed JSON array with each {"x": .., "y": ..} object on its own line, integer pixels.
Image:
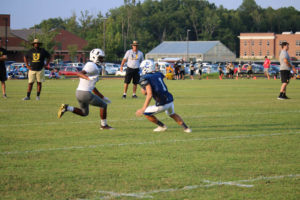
[{"x": 244, "y": 144}]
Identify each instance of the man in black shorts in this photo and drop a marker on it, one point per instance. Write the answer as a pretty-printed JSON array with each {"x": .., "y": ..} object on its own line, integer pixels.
[
  {"x": 3, "y": 75},
  {"x": 285, "y": 68},
  {"x": 133, "y": 57}
]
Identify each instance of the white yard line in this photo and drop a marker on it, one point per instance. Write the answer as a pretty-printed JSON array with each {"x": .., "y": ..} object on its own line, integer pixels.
[
  {"x": 148, "y": 194},
  {"x": 145, "y": 143},
  {"x": 140, "y": 119}
]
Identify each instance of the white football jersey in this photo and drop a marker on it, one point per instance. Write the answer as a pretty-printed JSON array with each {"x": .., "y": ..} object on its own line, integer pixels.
[{"x": 92, "y": 72}]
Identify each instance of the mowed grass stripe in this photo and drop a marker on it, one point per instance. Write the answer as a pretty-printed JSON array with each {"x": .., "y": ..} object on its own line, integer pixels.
[
  {"x": 47, "y": 123},
  {"x": 149, "y": 143}
]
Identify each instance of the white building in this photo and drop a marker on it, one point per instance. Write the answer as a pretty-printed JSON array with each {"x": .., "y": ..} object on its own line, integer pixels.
[{"x": 210, "y": 51}]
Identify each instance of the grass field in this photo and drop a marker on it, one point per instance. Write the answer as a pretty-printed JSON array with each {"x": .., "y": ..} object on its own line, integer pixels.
[{"x": 244, "y": 144}]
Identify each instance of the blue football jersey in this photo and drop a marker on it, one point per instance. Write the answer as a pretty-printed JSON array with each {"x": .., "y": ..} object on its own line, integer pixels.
[{"x": 159, "y": 89}]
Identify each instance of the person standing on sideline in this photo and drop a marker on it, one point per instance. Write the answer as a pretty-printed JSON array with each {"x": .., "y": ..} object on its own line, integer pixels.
[
  {"x": 133, "y": 57},
  {"x": 267, "y": 64},
  {"x": 89, "y": 76},
  {"x": 221, "y": 73},
  {"x": 249, "y": 71},
  {"x": 192, "y": 70},
  {"x": 285, "y": 70},
  {"x": 3, "y": 75},
  {"x": 36, "y": 56},
  {"x": 200, "y": 70},
  {"x": 153, "y": 86}
]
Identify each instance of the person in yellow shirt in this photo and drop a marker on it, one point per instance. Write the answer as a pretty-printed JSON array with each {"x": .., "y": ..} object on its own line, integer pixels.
[
  {"x": 249, "y": 71},
  {"x": 169, "y": 73}
]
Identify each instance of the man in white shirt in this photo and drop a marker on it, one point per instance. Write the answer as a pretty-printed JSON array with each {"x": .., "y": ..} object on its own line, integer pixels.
[
  {"x": 133, "y": 57},
  {"x": 89, "y": 76}
]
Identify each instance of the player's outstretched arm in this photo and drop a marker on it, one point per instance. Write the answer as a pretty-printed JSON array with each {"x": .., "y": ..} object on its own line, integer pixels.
[
  {"x": 83, "y": 75},
  {"x": 143, "y": 90}
]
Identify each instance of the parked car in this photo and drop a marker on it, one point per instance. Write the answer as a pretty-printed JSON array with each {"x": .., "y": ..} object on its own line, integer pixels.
[
  {"x": 111, "y": 68},
  {"x": 76, "y": 65},
  {"x": 69, "y": 71},
  {"x": 208, "y": 69},
  {"x": 257, "y": 69},
  {"x": 274, "y": 70},
  {"x": 47, "y": 73},
  {"x": 123, "y": 73}
]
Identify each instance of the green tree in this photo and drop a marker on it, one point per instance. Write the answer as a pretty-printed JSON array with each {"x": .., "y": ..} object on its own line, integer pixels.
[{"x": 72, "y": 52}]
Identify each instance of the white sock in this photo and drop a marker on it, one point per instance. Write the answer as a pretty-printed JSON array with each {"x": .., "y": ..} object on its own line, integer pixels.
[
  {"x": 133, "y": 94},
  {"x": 70, "y": 108},
  {"x": 103, "y": 122},
  {"x": 125, "y": 94}
]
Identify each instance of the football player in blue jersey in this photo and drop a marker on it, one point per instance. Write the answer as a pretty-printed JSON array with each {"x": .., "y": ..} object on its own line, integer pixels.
[{"x": 153, "y": 86}]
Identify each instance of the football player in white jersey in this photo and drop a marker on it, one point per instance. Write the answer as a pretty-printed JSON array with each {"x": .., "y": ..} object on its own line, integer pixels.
[{"x": 86, "y": 93}]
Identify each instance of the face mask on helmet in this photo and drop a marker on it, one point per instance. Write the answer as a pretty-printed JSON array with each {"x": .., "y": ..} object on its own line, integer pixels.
[
  {"x": 147, "y": 66},
  {"x": 97, "y": 56}
]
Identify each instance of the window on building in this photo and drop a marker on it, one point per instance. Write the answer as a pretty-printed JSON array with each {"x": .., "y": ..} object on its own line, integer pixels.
[
  {"x": 297, "y": 42},
  {"x": 252, "y": 53},
  {"x": 245, "y": 43},
  {"x": 252, "y": 43},
  {"x": 260, "y": 43},
  {"x": 281, "y": 41},
  {"x": 245, "y": 53},
  {"x": 297, "y": 53},
  {"x": 260, "y": 54},
  {"x": 268, "y": 52},
  {"x": 268, "y": 43}
]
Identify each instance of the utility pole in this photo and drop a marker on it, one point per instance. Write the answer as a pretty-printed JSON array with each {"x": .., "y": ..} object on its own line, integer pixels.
[
  {"x": 187, "y": 45},
  {"x": 6, "y": 24},
  {"x": 104, "y": 30}
]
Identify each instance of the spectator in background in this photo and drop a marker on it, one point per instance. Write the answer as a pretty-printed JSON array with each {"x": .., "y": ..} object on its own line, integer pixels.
[
  {"x": 177, "y": 70},
  {"x": 157, "y": 67},
  {"x": 267, "y": 64},
  {"x": 192, "y": 70},
  {"x": 238, "y": 72},
  {"x": 54, "y": 74},
  {"x": 249, "y": 71},
  {"x": 169, "y": 73},
  {"x": 24, "y": 71},
  {"x": 182, "y": 73},
  {"x": 133, "y": 57},
  {"x": 227, "y": 70},
  {"x": 37, "y": 57},
  {"x": 231, "y": 69},
  {"x": 200, "y": 70},
  {"x": 285, "y": 70},
  {"x": 3, "y": 75},
  {"x": 221, "y": 73}
]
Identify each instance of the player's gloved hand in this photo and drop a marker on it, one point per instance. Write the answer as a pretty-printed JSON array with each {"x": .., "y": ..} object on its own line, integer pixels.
[{"x": 106, "y": 100}]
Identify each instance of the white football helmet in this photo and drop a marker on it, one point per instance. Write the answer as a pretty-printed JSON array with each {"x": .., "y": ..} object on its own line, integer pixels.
[
  {"x": 95, "y": 54},
  {"x": 147, "y": 66}
]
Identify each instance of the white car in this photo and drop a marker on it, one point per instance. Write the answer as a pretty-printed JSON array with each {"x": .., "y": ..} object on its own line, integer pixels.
[
  {"x": 123, "y": 73},
  {"x": 111, "y": 68}
]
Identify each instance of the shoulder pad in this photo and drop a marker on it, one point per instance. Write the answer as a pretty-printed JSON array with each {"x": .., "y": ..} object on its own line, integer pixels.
[{"x": 143, "y": 82}]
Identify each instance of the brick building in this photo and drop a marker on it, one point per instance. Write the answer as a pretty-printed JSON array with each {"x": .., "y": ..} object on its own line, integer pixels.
[
  {"x": 259, "y": 45},
  {"x": 15, "y": 40}
]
